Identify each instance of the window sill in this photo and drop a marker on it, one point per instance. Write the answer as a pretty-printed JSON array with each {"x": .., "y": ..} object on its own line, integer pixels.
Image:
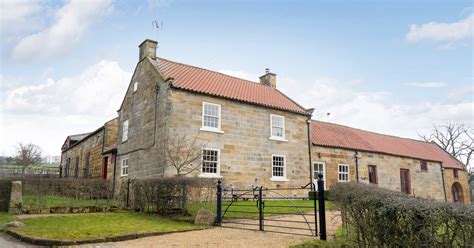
[
  {"x": 124, "y": 175},
  {"x": 124, "y": 141},
  {"x": 279, "y": 179},
  {"x": 278, "y": 139},
  {"x": 210, "y": 130},
  {"x": 210, "y": 176}
]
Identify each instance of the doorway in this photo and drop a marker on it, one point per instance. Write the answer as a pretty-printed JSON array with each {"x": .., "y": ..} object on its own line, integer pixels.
[{"x": 405, "y": 181}]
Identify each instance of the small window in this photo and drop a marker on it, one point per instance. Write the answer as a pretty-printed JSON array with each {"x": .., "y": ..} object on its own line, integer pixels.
[
  {"x": 135, "y": 87},
  {"x": 125, "y": 131},
  {"x": 277, "y": 127},
  {"x": 423, "y": 166},
  {"x": 372, "y": 174},
  {"x": 343, "y": 173},
  {"x": 278, "y": 167},
  {"x": 210, "y": 162},
  {"x": 455, "y": 173},
  {"x": 211, "y": 116},
  {"x": 124, "y": 167}
]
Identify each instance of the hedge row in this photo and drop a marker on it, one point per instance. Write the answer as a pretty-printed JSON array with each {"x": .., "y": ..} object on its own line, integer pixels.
[
  {"x": 5, "y": 189},
  {"x": 375, "y": 217},
  {"x": 165, "y": 196}
]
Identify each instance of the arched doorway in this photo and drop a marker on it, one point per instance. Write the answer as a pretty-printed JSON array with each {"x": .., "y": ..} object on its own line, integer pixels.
[{"x": 457, "y": 192}]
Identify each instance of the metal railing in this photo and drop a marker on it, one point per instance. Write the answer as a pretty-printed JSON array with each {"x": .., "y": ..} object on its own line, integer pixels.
[{"x": 280, "y": 207}]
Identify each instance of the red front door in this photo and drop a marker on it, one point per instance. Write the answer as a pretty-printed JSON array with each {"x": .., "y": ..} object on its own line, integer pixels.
[
  {"x": 104, "y": 167},
  {"x": 405, "y": 181}
]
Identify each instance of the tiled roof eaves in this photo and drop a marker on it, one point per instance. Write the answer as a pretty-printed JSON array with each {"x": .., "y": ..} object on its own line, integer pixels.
[
  {"x": 237, "y": 99},
  {"x": 80, "y": 141},
  {"x": 375, "y": 151}
]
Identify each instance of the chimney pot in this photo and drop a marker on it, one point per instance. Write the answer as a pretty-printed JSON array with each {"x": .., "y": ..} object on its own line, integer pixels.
[
  {"x": 147, "y": 49},
  {"x": 267, "y": 70}
]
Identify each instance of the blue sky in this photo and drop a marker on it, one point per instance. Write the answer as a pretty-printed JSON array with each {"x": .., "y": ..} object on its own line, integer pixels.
[{"x": 394, "y": 67}]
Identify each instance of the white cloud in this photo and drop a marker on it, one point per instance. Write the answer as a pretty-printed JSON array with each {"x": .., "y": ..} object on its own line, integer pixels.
[
  {"x": 67, "y": 30},
  {"x": 375, "y": 111},
  {"x": 16, "y": 16},
  {"x": 427, "y": 84},
  {"x": 448, "y": 34},
  {"x": 45, "y": 113}
]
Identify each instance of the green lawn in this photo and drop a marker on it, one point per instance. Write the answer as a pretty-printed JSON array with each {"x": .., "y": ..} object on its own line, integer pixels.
[
  {"x": 340, "y": 241},
  {"x": 5, "y": 218},
  {"x": 84, "y": 226},
  {"x": 272, "y": 207},
  {"x": 32, "y": 202}
]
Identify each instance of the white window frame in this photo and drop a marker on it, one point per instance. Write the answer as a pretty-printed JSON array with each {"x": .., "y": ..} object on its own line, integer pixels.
[
  {"x": 315, "y": 178},
  {"x": 343, "y": 173},
  {"x": 218, "y": 169},
  {"x": 219, "y": 118},
  {"x": 135, "y": 87},
  {"x": 284, "y": 177},
  {"x": 125, "y": 130},
  {"x": 122, "y": 166},
  {"x": 272, "y": 137}
]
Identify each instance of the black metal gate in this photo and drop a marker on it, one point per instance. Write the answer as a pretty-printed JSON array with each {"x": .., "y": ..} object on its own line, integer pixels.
[{"x": 279, "y": 210}]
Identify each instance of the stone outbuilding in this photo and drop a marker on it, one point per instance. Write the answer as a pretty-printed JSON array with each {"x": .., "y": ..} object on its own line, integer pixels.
[
  {"x": 415, "y": 167},
  {"x": 91, "y": 155}
]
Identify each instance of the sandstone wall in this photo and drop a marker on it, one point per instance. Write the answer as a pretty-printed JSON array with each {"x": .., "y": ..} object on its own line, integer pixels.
[
  {"x": 145, "y": 111},
  {"x": 245, "y": 148},
  {"x": 462, "y": 179},
  {"x": 424, "y": 184}
]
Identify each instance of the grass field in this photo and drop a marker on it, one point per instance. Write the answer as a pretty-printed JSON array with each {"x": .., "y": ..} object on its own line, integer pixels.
[
  {"x": 35, "y": 166},
  {"x": 272, "y": 207},
  {"x": 83, "y": 226},
  {"x": 5, "y": 218},
  {"x": 32, "y": 202}
]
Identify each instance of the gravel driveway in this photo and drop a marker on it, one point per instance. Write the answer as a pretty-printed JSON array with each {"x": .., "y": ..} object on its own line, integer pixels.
[{"x": 228, "y": 237}]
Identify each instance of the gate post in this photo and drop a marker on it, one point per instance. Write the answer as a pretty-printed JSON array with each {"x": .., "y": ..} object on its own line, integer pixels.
[
  {"x": 322, "y": 208},
  {"x": 315, "y": 207},
  {"x": 260, "y": 208},
  {"x": 218, "y": 219}
]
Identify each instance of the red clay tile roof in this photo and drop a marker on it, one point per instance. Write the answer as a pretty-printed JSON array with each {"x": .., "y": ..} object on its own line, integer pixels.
[
  {"x": 204, "y": 81},
  {"x": 338, "y": 136}
]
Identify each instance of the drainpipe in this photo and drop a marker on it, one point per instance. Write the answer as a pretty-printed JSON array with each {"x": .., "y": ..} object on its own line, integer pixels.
[
  {"x": 442, "y": 178},
  {"x": 310, "y": 146},
  {"x": 356, "y": 156},
  {"x": 114, "y": 156}
]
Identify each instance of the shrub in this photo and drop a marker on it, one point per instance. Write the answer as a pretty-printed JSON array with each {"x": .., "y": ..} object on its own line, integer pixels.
[
  {"x": 5, "y": 189},
  {"x": 373, "y": 216},
  {"x": 166, "y": 196}
]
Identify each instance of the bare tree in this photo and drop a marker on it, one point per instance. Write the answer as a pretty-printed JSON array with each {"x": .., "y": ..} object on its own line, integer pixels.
[
  {"x": 27, "y": 155},
  {"x": 183, "y": 154},
  {"x": 456, "y": 139}
]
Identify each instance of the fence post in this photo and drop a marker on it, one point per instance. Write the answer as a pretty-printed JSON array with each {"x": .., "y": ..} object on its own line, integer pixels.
[
  {"x": 218, "y": 220},
  {"x": 322, "y": 208},
  {"x": 260, "y": 208}
]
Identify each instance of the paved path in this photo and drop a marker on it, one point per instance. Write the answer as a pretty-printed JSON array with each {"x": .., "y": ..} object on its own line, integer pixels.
[
  {"x": 7, "y": 241},
  {"x": 226, "y": 237},
  {"x": 215, "y": 237}
]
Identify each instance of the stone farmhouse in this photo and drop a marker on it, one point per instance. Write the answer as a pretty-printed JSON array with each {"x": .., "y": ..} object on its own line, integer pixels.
[
  {"x": 250, "y": 133},
  {"x": 91, "y": 155}
]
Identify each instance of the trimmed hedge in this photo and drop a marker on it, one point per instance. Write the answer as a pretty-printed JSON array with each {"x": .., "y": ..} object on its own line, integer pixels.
[
  {"x": 377, "y": 217},
  {"x": 165, "y": 196},
  {"x": 5, "y": 190}
]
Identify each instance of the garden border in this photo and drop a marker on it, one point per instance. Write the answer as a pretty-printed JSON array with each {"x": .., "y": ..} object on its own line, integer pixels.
[{"x": 117, "y": 238}]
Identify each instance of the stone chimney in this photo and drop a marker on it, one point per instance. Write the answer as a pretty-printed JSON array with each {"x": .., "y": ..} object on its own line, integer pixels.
[
  {"x": 147, "y": 49},
  {"x": 269, "y": 79}
]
